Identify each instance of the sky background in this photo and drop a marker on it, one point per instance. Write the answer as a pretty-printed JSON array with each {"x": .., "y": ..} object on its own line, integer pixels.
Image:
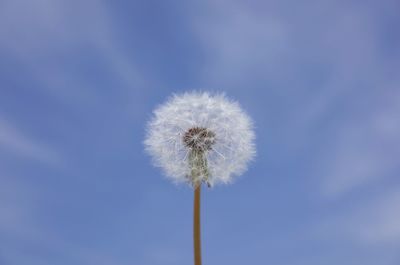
[{"x": 80, "y": 78}]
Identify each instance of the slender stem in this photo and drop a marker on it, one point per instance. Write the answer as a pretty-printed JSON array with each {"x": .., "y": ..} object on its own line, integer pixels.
[{"x": 196, "y": 226}]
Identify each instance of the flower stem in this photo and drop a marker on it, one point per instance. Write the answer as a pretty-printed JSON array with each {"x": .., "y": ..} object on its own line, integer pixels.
[{"x": 196, "y": 225}]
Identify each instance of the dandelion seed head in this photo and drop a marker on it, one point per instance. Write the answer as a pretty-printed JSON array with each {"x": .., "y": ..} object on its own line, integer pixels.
[{"x": 200, "y": 124}]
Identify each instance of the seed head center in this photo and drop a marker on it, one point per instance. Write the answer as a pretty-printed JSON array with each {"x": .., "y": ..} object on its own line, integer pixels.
[{"x": 199, "y": 138}]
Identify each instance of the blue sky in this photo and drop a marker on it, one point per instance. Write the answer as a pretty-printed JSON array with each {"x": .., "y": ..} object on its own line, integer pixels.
[{"x": 79, "y": 79}]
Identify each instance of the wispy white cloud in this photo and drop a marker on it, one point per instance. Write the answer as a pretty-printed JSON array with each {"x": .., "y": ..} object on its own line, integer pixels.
[
  {"x": 379, "y": 221},
  {"x": 35, "y": 29},
  {"x": 271, "y": 42},
  {"x": 41, "y": 33},
  {"x": 364, "y": 148},
  {"x": 13, "y": 141},
  {"x": 374, "y": 222},
  {"x": 238, "y": 41}
]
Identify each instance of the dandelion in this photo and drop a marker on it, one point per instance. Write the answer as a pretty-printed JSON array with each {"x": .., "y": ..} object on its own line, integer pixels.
[{"x": 200, "y": 138}]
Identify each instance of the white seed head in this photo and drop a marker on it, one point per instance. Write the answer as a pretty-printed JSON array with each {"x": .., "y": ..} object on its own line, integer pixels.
[{"x": 198, "y": 137}]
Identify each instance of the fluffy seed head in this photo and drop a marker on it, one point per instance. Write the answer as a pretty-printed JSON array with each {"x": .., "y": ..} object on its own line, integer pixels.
[{"x": 200, "y": 137}]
